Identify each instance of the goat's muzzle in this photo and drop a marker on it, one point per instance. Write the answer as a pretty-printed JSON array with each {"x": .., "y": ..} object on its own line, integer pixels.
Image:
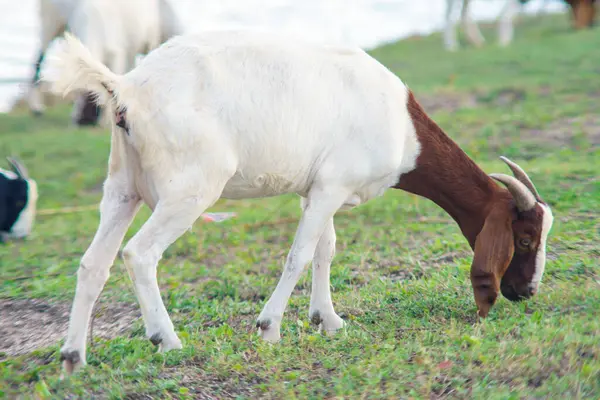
[{"x": 516, "y": 294}]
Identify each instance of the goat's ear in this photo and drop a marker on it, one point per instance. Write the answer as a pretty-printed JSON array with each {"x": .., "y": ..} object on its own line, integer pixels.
[
  {"x": 18, "y": 168},
  {"x": 494, "y": 249}
]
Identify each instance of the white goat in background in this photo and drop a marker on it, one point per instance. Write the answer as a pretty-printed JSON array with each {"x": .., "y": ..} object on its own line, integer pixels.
[
  {"x": 473, "y": 34},
  {"x": 114, "y": 30}
]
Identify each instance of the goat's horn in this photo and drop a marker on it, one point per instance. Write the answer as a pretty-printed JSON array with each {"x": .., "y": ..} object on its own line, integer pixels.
[
  {"x": 18, "y": 168},
  {"x": 523, "y": 197},
  {"x": 521, "y": 176}
]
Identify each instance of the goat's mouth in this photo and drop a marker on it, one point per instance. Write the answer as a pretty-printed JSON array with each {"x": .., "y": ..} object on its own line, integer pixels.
[{"x": 512, "y": 294}]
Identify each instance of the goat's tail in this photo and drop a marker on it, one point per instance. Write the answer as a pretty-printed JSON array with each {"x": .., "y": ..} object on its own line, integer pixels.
[{"x": 75, "y": 69}]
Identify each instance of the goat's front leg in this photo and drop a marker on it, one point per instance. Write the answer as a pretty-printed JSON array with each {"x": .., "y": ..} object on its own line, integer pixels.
[
  {"x": 169, "y": 221},
  {"x": 450, "y": 39},
  {"x": 51, "y": 25},
  {"x": 506, "y": 22},
  {"x": 321, "y": 310},
  {"x": 470, "y": 26},
  {"x": 118, "y": 207},
  {"x": 321, "y": 207}
]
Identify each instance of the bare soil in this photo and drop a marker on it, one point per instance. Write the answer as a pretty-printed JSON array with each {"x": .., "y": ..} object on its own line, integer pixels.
[
  {"x": 565, "y": 130},
  {"x": 29, "y": 324}
]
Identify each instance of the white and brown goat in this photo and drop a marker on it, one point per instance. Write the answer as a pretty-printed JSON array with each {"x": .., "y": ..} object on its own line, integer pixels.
[{"x": 244, "y": 115}]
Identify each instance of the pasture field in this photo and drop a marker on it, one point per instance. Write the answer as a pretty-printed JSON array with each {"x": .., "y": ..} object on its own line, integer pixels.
[{"x": 400, "y": 278}]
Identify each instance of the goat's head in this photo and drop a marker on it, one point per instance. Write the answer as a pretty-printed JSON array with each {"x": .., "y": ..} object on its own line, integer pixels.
[
  {"x": 510, "y": 250},
  {"x": 18, "y": 200}
]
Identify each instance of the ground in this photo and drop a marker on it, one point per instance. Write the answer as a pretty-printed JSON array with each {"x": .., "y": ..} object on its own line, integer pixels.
[{"x": 400, "y": 277}]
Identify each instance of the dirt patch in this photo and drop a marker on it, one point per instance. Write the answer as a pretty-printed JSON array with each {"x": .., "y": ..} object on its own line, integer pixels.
[
  {"x": 452, "y": 101},
  {"x": 447, "y": 101},
  {"x": 566, "y": 131},
  {"x": 29, "y": 324},
  {"x": 203, "y": 385}
]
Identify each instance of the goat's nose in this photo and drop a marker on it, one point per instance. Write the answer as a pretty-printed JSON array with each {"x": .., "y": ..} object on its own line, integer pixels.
[
  {"x": 510, "y": 293},
  {"x": 532, "y": 291}
]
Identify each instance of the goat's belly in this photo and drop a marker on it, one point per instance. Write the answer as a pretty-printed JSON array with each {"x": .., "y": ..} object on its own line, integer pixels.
[{"x": 262, "y": 185}]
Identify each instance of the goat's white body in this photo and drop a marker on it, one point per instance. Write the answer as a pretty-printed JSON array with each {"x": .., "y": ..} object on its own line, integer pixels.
[
  {"x": 283, "y": 117},
  {"x": 237, "y": 115}
]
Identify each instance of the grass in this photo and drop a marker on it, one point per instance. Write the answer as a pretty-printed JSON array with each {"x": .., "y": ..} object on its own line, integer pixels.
[{"x": 400, "y": 277}]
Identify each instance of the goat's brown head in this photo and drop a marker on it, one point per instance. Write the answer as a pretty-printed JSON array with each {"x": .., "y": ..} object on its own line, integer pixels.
[{"x": 510, "y": 250}]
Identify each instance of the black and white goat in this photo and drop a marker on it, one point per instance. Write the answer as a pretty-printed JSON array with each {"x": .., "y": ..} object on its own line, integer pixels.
[{"x": 18, "y": 200}]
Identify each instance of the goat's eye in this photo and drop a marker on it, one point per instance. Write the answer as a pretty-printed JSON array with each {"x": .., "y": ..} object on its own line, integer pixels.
[{"x": 525, "y": 242}]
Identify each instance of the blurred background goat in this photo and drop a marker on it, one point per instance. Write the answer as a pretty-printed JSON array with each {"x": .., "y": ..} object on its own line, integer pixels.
[
  {"x": 115, "y": 31},
  {"x": 583, "y": 12}
]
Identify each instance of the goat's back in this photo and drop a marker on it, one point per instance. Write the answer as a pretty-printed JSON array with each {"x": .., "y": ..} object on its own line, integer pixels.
[{"x": 284, "y": 108}]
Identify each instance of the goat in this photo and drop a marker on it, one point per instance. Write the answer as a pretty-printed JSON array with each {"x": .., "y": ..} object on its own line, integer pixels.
[
  {"x": 505, "y": 24},
  {"x": 242, "y": 115},
  {"x": 18, "y": 200},
  {"x": 584, "y": 13},
  {"x": 113, "y": 28},
  {"x": 583, "y": 16}
]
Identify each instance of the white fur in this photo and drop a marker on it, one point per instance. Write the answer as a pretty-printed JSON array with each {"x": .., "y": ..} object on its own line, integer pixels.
[
  {"x": 540, "y": 258},
  {"x": 237, "y": 115},
  {"x": 505, "y": 24},
  {"x": 115, "y": 31}
]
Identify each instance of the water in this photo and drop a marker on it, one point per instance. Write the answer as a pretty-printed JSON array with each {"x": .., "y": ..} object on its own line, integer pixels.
[{"x": 363, "y": 23}]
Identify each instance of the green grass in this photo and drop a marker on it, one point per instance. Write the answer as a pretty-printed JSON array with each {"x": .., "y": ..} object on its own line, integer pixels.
[{"x": 400, "y": 277}]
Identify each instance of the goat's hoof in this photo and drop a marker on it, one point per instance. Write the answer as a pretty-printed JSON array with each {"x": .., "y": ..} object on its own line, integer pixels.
[
  {"x": 315, "y": 318},
  {"x": 71, "y": 362},
  {"x": 268, "y": 330},
  {"x": 263, "y": 324},
  {"x": 156, "y": 339},
  {"x": 165, "y": 345},
  {"x": 329, "y": 323}
]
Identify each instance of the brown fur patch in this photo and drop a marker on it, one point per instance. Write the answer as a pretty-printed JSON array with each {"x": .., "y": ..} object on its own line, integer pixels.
[{"x": 447, "y": 176}]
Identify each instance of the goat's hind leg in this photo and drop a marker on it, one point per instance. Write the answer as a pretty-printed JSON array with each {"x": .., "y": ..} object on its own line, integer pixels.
[
  {"x": 321, "y": 311},
  {"x": 170, "y": 219},
  {"x": 118, "y": 207},
  {"x": 506, "y": 22}
]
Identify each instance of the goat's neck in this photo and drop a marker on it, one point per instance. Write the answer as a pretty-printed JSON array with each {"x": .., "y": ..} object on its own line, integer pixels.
[{"x": 448, "y": 177}]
